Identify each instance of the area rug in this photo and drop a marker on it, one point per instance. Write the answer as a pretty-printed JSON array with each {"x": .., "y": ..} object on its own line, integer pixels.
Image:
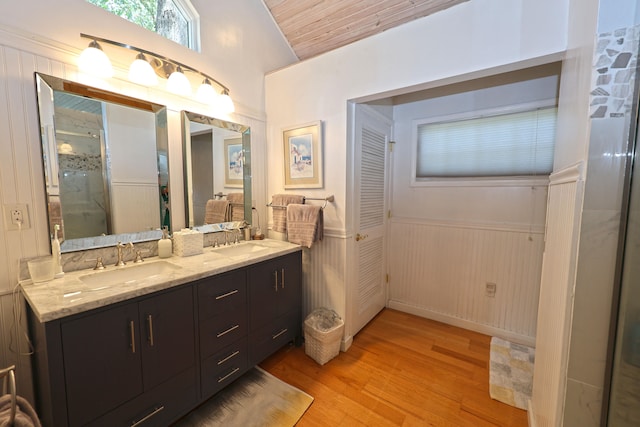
[
  {"x": 511, "y": 372},
  {"x": 255, "y": 399}
]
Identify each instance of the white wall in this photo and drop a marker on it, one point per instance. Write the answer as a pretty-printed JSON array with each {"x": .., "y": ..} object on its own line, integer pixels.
[
  {"x": 239, "y": 44},
  {"x": 448, "y": 240},
  {"x": 469, "y": 40}
]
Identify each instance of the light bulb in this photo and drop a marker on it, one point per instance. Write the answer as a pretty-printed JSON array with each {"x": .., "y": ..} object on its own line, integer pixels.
[
  {"x": 206, "y": 93},
  {"x": 178, "y": 83},
  {"x": 225, "y": 103},
  {"x": 141, "y": 72},
  {"x": 94, "y": 61}
]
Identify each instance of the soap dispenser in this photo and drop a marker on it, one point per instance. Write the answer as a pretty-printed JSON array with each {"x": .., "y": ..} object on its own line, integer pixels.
[
  {"x": 56, "y": 254},
  {"x": 164, "y": 244}
]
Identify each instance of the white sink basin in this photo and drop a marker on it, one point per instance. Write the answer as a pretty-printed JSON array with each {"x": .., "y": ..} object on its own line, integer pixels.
[
  {"x": 129, "y": 274},
  {"x": 240, "y": 250}
]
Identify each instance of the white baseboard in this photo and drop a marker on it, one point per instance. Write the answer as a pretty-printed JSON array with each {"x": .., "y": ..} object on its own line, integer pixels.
[
  {"x": 461, "y": 323},
  {"x": 346, "y": 343}
]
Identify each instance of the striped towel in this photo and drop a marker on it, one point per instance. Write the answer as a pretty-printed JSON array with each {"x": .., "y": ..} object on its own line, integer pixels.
[
  {"x": 279, "y": 203},
  {"x": 305, "y": 224}
]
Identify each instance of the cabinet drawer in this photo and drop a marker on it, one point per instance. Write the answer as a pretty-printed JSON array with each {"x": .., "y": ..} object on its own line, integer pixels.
[
  {"x": 220, "y": 331},
  {"x": 218, "y": 296},
  {"x": 273, "y": 336},
  {"x": 158, "y": 407},
  {"x": 224, "y": 367}
]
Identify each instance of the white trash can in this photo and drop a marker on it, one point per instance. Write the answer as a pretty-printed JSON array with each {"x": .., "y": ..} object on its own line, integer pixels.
[{"x": 323, "y": 329}]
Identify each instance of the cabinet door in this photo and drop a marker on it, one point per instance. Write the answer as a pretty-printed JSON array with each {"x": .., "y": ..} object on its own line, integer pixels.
[
  {"x": 168, "y": 340},
  {"x": 275, "y": 288},
  {"x": 264, "y": 285},
  {"x": 290, "y": 277},
  {"x": 101, "y": 362}
]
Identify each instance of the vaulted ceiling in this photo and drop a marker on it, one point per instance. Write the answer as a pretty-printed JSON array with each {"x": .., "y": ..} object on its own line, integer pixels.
[{"x": 313, "y": 27}]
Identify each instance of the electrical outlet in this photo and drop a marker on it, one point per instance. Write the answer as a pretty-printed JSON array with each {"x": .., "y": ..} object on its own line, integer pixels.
[
  {"x": 16, "y": 216},
  {"x": 490, "y": 289}
]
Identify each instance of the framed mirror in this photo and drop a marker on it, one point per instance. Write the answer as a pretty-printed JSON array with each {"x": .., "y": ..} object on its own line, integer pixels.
[
  {"x": 217, "y": 165},
  {"x": 105, "y": 161}
]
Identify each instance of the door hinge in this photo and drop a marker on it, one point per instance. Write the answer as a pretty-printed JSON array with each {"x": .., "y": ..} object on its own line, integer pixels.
[
  {"x": 391, "y": 144},
  {"x": 387, "y": 277},
  {"x": 389, "y": 214}
]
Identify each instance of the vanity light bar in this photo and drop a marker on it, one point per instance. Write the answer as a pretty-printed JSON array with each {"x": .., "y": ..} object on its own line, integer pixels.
[{"x": 161, "y": 65}]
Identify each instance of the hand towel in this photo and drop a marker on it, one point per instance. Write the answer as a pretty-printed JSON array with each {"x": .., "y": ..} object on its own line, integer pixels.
[
  {"x": 279, "y": 203},
  {"x": 25, "y": 415},
  {"x": 216, "y": 211},
  {"x": 305, "y": 224},
  {"x": 237, "y": 206}
]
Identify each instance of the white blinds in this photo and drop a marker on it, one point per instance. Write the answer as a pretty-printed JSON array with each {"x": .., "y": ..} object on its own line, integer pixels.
[{"x": 515, "y": 144}]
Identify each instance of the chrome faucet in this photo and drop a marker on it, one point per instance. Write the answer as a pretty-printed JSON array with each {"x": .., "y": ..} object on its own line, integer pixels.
[{"x": 120, "y": 246}]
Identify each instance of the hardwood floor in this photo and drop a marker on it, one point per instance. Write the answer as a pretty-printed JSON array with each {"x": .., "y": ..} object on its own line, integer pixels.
[{"x": 402, "y": 370}]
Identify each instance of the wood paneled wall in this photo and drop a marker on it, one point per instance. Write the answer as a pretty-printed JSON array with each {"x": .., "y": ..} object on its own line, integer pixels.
[
  {"x": 440, "y": 271},
  {"x": 556, "y": 297}
]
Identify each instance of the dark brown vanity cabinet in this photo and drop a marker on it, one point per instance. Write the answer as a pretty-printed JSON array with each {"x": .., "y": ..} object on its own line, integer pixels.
[
  {"x": 222, "y": 302},
  {"x": 119, "y": 365},
  {"x": 150, "y": 360},
  {"x": 275, "y": 299}
]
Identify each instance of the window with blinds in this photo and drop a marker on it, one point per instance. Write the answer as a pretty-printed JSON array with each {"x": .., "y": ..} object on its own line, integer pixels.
[{"x": 502, "y": 146}]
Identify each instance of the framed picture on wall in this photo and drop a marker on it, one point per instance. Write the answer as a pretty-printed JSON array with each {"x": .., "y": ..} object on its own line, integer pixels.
[
  {"x": 234, "y": 163},
  {"x": 303, "y": 156}
]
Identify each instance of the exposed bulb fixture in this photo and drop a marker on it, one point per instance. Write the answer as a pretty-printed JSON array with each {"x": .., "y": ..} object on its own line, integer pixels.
[
  {"x": 206, "y": 93},
  {"x": 148, "y": 66},
  {"x": 94, "y": 61},
  {"x": 141, "y": 72},
  {"x": 225, "y": 103},
  {"x": 178, "y": 83}
]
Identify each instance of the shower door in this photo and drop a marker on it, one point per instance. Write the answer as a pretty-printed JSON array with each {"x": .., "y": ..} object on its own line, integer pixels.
[{"x": 624, "y": 393}]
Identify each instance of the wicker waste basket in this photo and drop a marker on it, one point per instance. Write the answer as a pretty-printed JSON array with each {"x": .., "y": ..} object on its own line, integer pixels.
[{"x": 323, "y": 329}]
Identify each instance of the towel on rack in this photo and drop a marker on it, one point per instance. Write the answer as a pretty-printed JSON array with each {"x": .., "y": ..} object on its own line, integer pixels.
[
  {"x": 279, "y": 202},
  {"x": 216, "y": 211},
  {"x": 25, "y": 415},
  {"x": 305, "y": 224},
  {"x": 237, "y": 206}
]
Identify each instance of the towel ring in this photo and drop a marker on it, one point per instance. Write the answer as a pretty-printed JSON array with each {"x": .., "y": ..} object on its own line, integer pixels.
[{"x": 9, "y": 377}]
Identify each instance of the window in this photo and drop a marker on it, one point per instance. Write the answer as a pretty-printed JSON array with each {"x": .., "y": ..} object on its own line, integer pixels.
[
  {"x": 498, "y": 145},
  {"x": 177, "y": 20}
]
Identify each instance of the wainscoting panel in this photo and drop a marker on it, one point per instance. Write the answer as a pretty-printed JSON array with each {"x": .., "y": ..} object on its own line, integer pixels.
[
  {"x": 13, "y": 346},
  {"x": 556, "y": 297},
  {"x": 323, "y": 272},
  {"x": 441, "y": 271}
]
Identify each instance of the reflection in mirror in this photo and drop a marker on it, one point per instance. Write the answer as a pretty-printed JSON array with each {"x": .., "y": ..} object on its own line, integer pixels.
[
  {"x": 217, "y": 156},
  {"x": 105, "y": 162}
]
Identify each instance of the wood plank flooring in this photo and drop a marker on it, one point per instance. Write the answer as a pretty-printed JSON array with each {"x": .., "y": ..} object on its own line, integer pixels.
[{"x": 402, "y": 370}]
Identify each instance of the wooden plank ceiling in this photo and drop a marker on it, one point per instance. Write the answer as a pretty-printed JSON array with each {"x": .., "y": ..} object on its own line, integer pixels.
[{"x": 313, "y": 27}]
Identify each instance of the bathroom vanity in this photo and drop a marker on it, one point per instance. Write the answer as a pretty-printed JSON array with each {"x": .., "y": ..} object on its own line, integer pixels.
[{"x": 143, "y": 344}]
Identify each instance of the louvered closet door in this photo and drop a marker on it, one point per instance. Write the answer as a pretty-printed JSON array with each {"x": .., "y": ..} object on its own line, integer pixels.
[{"x": 372, "y": 134}]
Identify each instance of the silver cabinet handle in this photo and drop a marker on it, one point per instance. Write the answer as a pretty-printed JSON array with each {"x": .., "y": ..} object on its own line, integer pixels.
[
  {"x": 227, "y": 331},
  {"x": 132, "y": 330},
  {"x": 155, "y": 411},
  {"x": 228, "y": 294},
  {"x": 221, "y": 379},
  {"x": 282, "y": 278},
  {"x": 275, "y": 285},
  {"x": 150, "y": 323},
  {"x": 231, "y": 356},
  {"x": 279, "y": 333}
]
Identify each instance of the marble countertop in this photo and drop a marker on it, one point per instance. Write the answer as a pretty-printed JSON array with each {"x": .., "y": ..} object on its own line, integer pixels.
[{"x": 85, "y": 290}]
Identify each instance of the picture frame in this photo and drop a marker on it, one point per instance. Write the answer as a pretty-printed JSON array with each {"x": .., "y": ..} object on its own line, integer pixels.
[
  {"x": 234, "y": 162},
  {"x": 303, "y": 156}
]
